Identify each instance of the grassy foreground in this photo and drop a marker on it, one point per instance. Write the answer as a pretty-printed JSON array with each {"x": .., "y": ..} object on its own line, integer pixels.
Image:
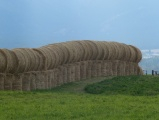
[{"x": 70, "y": 102}]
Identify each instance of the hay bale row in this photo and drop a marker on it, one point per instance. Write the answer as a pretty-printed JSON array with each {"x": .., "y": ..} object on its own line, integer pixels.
[
  {"x": 48, "y": 57},
  {"x": 67, "y": 73}
]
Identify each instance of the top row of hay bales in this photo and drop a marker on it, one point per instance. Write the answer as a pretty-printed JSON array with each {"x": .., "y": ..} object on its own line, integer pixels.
[{"x": 50, "y": 56}]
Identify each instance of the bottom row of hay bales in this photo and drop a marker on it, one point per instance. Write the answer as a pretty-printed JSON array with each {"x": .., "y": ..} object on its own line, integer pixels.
[{"x": 67, "y": 73}]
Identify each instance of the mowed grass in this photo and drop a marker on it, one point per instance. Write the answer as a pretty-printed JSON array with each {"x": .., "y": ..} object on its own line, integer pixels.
[{"x": 71, "y": 102}]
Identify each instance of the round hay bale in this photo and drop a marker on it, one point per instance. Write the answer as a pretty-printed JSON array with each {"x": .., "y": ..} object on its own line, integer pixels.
[
  {"x": 127, "y": 68},
  {"x": 132, "y": 54},
  {"x": 119, "y": 50},
  {"x": 40, "y": 80},
  {"x": 94, "y": 50},
  {"x": 24, "y": 60},
  {"x": 114, "y": 51},
  {"x": 139, "y": 71},
  {"x": 57, "y": 53},
  {"x": 99, "y": 68},
  {"x": 64, "y": 73},
  {"x": 77, "y": 71},
  {"x": 108, "y": 49},
  {"x": 104, "y": 68},
  {"x": 52, "y": 78},
  {"x": 2, "y": 78},
  {"x": 85, "y": 52},
  {"x": 68, "y": 73},
  {"x": 56, "y": 77},
  {"x": 9, "y": 61},
  {"x": 102, "y": 51},
  {"x": 49, "y": 57},
  {"x": 41, "y": 59},
  {"x": 33, "y": 59},
  {"x": 26, "y": 81},
  {"x": 121, "y": 68},
  {"x": 63, "y": 52},
  {"x": 114, "y": 67},
  {"x": 89, "y": 49},
  {"x": 109, "y": 67},
  {"x": 33, "y": 80},
  {"x": 105, "y": 50},
  {"x": 94, "y": 69},
  {"x": 99, "y": 50},
  {"x": 60, "y": 79},
  {"x": 83, "y": 69},
  {"x": 81, "y": 51},
  {"x": 3, "y": 61},
  {"x": 137, "y": 53},
  {"x": 70, "y": 57},
  {"x": 8, "y": 81},
  {"x": 89, "y": 69},
  {"x": 17, "y": 82}
]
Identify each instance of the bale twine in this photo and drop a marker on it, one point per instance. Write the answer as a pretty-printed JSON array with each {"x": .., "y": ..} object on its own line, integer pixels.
[
  {"x": 77, "y": 71},
  {"x": 89, "y": 69},
  {"x": 83, "y": 69},
  {"x": 32, "y": 78},
  {"x": 94, "y": 69},
  {"x": 109, "y": 68},
  {"x": 99, "y": 68},
  {"x": 8, "y": 81},
  {"x": 2, "y": 78},
  {"x": 17, "y": 82},
  {"x": 24, "y": 60}
]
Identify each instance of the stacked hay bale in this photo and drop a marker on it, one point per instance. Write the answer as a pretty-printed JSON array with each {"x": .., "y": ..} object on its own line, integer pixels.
[{"x": 55, "y": 64}]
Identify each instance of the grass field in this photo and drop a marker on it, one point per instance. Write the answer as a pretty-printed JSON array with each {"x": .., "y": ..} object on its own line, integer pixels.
[{"x": 122, "y": 98}]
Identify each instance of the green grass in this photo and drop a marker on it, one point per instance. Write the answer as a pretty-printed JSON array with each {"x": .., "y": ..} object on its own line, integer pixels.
[
  {"x": 71, "y": 102},
  {"x": 129, "y": 85}
]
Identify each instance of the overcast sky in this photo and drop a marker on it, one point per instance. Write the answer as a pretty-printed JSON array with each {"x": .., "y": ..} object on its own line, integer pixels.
[{"x": 33, "y": 23}]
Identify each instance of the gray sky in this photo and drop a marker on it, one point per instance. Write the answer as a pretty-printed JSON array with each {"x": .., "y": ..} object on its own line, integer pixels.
[{"x": 33, "y": 23}]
